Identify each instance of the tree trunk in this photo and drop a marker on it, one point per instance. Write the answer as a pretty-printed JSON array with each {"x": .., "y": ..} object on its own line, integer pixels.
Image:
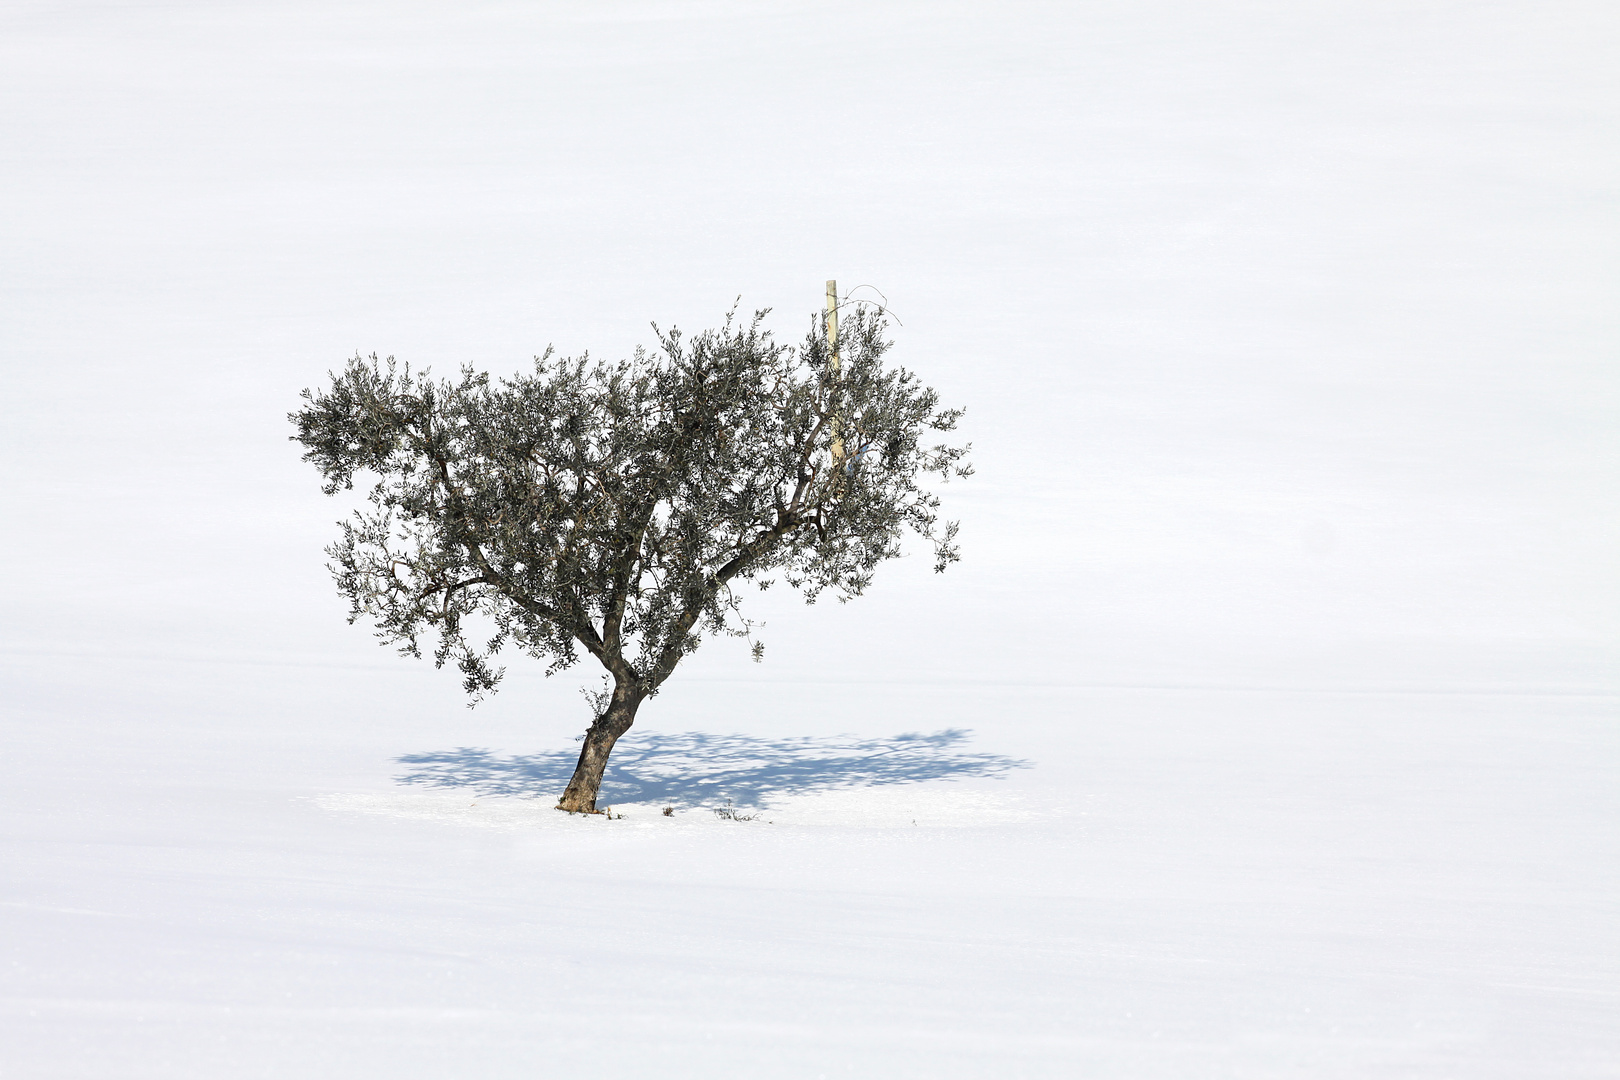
[{"x": 580, "y": 795}]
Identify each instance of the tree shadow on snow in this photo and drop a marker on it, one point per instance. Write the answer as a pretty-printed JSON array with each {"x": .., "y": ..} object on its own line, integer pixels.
[{"x": 692, "y": 768}]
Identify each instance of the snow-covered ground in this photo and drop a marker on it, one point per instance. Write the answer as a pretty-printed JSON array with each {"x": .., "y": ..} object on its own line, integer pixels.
[{"x": 1267, "y": 729}]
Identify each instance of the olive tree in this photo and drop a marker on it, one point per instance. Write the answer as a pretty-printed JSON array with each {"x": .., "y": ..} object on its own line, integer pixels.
[{"x": 619, "y": 508}]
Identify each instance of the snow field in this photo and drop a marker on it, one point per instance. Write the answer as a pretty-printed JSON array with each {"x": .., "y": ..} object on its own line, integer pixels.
[{"x": 1267, "y": 729}]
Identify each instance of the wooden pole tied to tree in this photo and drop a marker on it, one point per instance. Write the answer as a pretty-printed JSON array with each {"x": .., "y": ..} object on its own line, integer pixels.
[{"x": 833, "y": 367}]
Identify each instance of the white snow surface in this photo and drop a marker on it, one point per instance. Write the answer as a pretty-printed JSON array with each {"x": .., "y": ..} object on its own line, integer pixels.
[{"x": 1267, "y": 729}]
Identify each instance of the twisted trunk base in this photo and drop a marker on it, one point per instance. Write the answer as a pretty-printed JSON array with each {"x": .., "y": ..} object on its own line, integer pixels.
[{"x": 580, "y": 795}]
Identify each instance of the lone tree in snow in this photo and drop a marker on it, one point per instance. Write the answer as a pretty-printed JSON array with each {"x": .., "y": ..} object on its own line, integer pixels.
[{"x": 616, "y": 508}]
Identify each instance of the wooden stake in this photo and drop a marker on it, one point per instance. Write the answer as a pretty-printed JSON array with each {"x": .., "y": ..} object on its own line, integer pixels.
[
  {"x": 832, "y": 323},
  {"x": 833, "y": 366}
]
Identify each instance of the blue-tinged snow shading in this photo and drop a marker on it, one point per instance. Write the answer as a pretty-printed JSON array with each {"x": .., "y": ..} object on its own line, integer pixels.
[{"x": 696, "y": 768}]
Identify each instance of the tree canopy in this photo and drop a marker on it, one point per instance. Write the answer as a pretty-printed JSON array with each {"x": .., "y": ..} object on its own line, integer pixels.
[{"x": 617, "y": 508}]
